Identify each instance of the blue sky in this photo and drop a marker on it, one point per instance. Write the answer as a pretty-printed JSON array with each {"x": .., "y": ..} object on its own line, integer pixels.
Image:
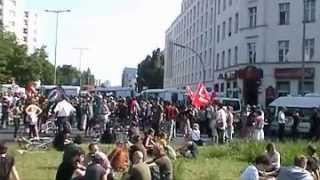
[{"x": 118, "y": 33}]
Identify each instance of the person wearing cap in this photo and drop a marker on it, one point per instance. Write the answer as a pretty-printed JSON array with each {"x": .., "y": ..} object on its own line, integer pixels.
[
  {"x": 7, "y": 164},
  {"x": 139, "y": 170},
  {"x": 96, "y": 170}
]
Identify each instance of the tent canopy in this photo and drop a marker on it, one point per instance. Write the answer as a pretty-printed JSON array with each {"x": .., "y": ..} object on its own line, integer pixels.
[{"x": 301, "y": 102}]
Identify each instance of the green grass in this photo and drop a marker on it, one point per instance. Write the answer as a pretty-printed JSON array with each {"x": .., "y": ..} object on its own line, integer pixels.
[{"x": 214, "y": 162}]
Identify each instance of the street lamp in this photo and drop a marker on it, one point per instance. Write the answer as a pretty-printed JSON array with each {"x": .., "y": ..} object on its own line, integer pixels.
[
  {"x": 80, "y": 61},
  {"x": 57, "y": 12},
  {"x": 198, "y": 55}
]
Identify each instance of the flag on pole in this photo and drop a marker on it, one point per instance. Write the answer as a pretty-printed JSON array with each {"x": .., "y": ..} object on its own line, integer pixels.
[{"x": 200, "y": 97}]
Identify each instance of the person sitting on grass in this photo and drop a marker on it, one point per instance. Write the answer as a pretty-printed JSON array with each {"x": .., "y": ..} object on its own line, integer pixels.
[
  {"x": 96, "y": 170},
  {"x": 313, "y": 161},
  {"x": 162, "y": 139},
  {"x": 93, "y": 148},
  {"x": 195, "y": 134},
  {"x": 296, "y": 172},
  {"x": 163, "y": 163},
  {"x": 71, "y": 166},
  {"x": 274, "y": 157},
  {"x": 189, "y": 150},
  {"x": 7, "y": 164},
  {"x": 148, "y": 141},
  {"x": 139, "y": 170},
  {"x": 252, "y": 172},
  {"x": 80, "y": 169},
  {"x": 137, "y": 146},
  {"x": 119, "y": 157}
]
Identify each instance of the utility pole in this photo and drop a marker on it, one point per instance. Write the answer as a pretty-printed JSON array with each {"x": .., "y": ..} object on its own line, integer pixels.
[
  {"x": 81, "y": 50},
  {"x": 57, "y": 12}
]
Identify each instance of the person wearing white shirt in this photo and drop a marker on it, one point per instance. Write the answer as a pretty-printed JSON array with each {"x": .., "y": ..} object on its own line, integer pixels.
[
  {"x": 252, "y": 172},
  {"x": 63, "y": 111},
  {"x": 221, "y": 123},
  {"x": 281, "y": 122}
]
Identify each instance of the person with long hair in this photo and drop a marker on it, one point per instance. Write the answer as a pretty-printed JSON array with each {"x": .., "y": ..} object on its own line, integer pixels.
[{"x": 33, "y": 111}]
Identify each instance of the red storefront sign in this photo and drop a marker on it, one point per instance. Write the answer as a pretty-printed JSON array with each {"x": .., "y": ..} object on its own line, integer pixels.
[{"x": 294, "y": 73}]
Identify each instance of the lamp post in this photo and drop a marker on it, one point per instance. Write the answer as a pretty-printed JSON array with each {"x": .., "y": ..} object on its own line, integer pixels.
[
  {"x": 81, "y": 50},
  {"x": 198, "y": 55},
  {"x": 304, "y": 21},
  {"x": 57, "y": 12}
]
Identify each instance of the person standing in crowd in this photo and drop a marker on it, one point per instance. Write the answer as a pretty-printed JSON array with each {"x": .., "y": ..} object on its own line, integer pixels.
[
  {"x": 281, "y": 122},
  {"x": 211, "y": 123},
  {"x": 171, "y": 114},
  {"x": 5, "y": 110},
  {"x": 17, "y": 117},
  {"x": 221, "y": 123},
  {"x": 7, "y": 164},
  {"x": 296, "y": 121},
  {"x": 297, "y": 171},
  {"x": 261, "y": 164},
  {"x": 63, "y": 111},
  {"x": 195, "y": 134},
  {"x": 33, "y": 111},
  {"x": 251, "y": 119},
  {"x": 139, "y": 170},
  {"x": 123, "y": 112},
  {"x": 230, "y": 120},
  {"x": 96, "y": 170},
  {"x": 1, "y": 106},
  {"x": 315, "y": 124},
  {"x": 157, "y": 117},
  {"x": 258, "y": 126}
]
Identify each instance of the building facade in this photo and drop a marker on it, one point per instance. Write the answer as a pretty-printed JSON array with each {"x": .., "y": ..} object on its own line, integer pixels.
[
  {"x": 30, "y": 30},
  {"x": 256, "y": 48},
  {"x": 11, "y": 13},
  {"x": 129, "y": 76}
]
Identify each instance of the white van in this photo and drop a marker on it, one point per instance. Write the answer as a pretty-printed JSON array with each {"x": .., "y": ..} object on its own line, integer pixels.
[
  {"x": 234, "y": 102},
  {"x": 305, "y": 104}
]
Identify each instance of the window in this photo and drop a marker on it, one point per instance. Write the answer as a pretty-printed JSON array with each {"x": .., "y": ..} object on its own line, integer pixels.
[
  {"x": 224, "y": 4},
  {"x": 253, "y": 17},
  {"x": 14, "y": 2},
  {"x": 218, "y": 61},
  {"x": 223, "y": 59},
  {"x": 284, "y": 13},
  {"x": 12, "y": 23},
  {"x": 12, "y": 13},
  {"x": 25, "y": 39},
  {"x": 218, "y": 33},
  {"x": 236, "y": 24},
  {"x": 283, "y": 88},
  {"x": 230, "y": 26},
  {"x": 283, "y": 51},
  {"x": 309, "y": 10},
  {"x": 308, "y": 87},
  {"x": 309, "y": 49},
  {"x": 210, "y": 35},
  {"x": 219, "y": 6},
  {"x": 25, "y": 30},
  {"x": 229, "y": 57},
  {"x": 230, "y": 2},
  {"x": 223, "y": 30},
  {"x": 236, "y": 55},
  {"x": 222, "y": 87},
  {"x": 252, "y": 52}
]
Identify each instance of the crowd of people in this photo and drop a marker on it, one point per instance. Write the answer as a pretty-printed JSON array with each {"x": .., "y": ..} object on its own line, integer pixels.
[
  {"x": 267, "y": 166},
  {"x": 150, "y": 128}
]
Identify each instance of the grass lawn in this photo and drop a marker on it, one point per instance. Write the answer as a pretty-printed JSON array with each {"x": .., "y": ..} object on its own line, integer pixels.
[{"x": 214, "y": 162}]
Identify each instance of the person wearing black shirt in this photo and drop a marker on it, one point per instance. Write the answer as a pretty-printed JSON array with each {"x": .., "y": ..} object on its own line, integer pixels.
[{"x": 7, "y": 164}]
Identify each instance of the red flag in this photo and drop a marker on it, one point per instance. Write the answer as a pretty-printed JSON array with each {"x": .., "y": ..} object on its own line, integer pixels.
[{"x": 201, "y": 97}]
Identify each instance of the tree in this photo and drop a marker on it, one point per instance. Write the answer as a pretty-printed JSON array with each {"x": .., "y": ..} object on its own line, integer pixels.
[
  {"x": 68, "y": 75},
  {"x": 150, "y": 71}
]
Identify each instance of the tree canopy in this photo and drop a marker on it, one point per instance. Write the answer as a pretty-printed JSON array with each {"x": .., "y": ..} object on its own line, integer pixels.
[{"x": 150, "y": 71}]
